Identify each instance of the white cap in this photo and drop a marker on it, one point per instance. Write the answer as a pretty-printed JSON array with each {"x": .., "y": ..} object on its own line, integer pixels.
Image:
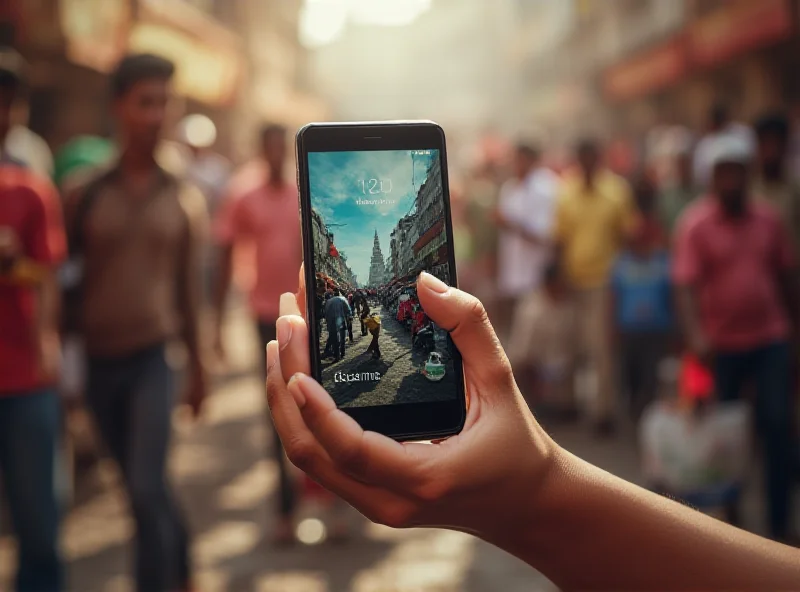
[{"x": 730, "y": 148}]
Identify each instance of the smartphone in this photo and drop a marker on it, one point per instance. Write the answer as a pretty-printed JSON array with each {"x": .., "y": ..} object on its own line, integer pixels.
[{"x": 375, "y": 209}]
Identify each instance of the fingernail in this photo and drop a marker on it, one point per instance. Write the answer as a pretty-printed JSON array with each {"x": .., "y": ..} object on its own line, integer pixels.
[
  {"x": 272, "y": 356},
  {"x": 284, "y": 328},
  {"x": 296, "y": 389},
  {"x": 434, "y": 283}
]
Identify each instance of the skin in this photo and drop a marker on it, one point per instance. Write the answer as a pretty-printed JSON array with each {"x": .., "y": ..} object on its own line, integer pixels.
[
  {"x": 505, "y": 480},
  {"x": 48, "y": 294},
  {"x": 273, "y": 152},
  {"x": 772, "y": 156},
  {"x": 141, "y": 114}
]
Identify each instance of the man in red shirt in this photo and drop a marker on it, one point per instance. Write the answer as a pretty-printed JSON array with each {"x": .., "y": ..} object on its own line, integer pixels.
[
  {"x": 734, "y": 267},
  {"x": 264, "y": 218},
  {"x": 31, "y": 245}
]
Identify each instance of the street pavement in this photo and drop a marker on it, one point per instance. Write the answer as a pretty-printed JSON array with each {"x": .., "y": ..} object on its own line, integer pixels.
[
  {"x": 399, "y": 369},
  {"x": 226, "y": 480}
]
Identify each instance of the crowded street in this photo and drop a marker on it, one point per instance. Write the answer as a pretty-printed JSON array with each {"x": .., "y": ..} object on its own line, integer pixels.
[
  {"x": 601, "y": 229},
  {"x": 400, "y": 368}
]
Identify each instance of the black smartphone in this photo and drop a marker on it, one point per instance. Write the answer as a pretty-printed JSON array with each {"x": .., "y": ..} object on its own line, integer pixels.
[{"x": 375, "y": 208}]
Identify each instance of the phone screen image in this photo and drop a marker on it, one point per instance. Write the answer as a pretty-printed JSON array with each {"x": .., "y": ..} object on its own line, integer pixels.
[{"x": 377, "y": 220}]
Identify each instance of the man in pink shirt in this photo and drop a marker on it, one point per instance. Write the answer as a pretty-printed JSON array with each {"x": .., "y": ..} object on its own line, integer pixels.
[
  {"x": 735, "y": 271},
  {"x": 265, "y": 218}
]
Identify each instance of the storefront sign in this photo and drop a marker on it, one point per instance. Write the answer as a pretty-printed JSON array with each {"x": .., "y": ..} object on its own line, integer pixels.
[
  {"x": 740, "y": 26},
  {"x": 95, "y": 31},
  {"x": 651, "y": 71}
]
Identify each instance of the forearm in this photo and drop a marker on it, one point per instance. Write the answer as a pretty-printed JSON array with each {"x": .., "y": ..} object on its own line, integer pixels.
[
  {"x": 223, "y": 283},
  {"x": 687, "y": 312},
  {"x": 48, "y": 308},
  {"x": 790, "y": 284},
  {"x": 591, "y": 530}
]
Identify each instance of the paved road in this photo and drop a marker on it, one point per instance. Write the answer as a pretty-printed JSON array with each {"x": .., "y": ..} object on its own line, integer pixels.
[
  {"x": 226, "y": 483},
  {"x": 400, "y": 380}
]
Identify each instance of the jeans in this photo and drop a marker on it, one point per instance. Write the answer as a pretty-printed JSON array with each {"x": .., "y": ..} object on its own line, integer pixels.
[
  {"x": 132, "y": 400},
  {"x": 30, "y": 428},
  {"x": 287, "y": 495},
  {"x": 336, "y": 340},
  {"x": 640, "y": 355},
  {"x": 770, "y": 368}
]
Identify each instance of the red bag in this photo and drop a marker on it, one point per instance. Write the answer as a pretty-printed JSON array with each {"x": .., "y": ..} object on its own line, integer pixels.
[{"x": 696, "y": 380}]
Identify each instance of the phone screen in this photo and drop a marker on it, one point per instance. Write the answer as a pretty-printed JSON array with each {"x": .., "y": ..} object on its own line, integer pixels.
[{"x": 378, "y": 219}]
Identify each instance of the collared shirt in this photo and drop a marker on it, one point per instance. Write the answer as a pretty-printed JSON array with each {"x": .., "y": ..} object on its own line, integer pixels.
[
  {"x": 528, "y": 203},
  {"x": 735, "y": 268},
  {"x": 266, "y": 218},
  {"x": 31, "y": 209},
  {"x": 141, "y": 262},
  {"x": 592, "y": 224}
]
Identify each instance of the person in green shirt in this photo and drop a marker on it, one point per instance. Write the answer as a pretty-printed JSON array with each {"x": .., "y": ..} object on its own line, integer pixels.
[
  {"x": 772, "y": 182},
  {"x": 679, "y": 193}
]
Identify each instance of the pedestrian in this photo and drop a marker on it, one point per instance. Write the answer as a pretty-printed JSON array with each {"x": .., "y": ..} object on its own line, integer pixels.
[
  {"x": 678, "y": 193},
  {"x": 642, "y": 303},
  {"x": 505, "y": 480},
  {"x": 773, "y": 181},
  {"x": 594, "y": 217},
  {"x": 524, "y": 217},
  {"x": 735, "y": 269},
  {"x": 350, "y": 318},
  {"x": 373, "y": 325},
  {"x": 139, "y": 232},
  {"x": 31, "y": 246},
  {"x": 337, "y": 311},
  {"x": 720, "y": 125},
  {"x": 264, "y": 216},
  {"x": 543, "y": 352}
]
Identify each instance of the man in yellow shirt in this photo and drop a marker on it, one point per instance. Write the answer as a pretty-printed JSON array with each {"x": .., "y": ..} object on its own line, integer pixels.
[{"x": 594, "y": 215}]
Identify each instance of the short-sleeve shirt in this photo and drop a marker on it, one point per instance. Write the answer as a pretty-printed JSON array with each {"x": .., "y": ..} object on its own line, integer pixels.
[
  {"x": 591, "y": 225},
  {"x": 530, "y": 204},
  {"x": 266, "y": 218},
  {"x": 31, "y": 209},
  {"x": 735, "y": 268},
  {"x": 642, "y": 292}
]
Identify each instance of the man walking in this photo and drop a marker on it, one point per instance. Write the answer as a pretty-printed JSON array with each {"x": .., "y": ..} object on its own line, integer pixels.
[
  {"x": 138, "y": 231},
  {"x": 31, "y": 245},
  {"x": 337, "y": 311},
  {"x": 773, "y": 182},
  {"x": 264, "y": 217},
  {"x": 524, "y": 217},
  {"x": 594, "y": 217},
  {"x": 735, "y": 268}
]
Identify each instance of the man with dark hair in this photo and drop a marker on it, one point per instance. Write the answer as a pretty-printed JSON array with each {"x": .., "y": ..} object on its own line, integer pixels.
[
  {"x": 736, "y": 275},
  {"x": 264, "y": 217},
  {"x": 31, "y": 245},
  {"x": 138, "y": 232},
  {"x": 772, "y": 181},
  {"x": 594, "y": 216},
  {"x": 524, "y": 217},
  {"x": 719, "y": 125}
]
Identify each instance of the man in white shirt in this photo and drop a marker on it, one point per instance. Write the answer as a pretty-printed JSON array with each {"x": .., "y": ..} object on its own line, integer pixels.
[
  {"x": 719, "y": 125},
  {"x": 525, "y": 217}
]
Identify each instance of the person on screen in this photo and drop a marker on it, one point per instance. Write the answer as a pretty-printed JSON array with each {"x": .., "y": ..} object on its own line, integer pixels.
[{"x": 505, "y": 480}]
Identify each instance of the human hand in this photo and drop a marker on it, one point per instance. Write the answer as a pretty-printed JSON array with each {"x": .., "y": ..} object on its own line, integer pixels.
[
  {"x": 197, "y": 390},
  {"x": 49, "y": 356},
  {"x": 484, "y": 480},
  {"x": 10, "y": 248}
]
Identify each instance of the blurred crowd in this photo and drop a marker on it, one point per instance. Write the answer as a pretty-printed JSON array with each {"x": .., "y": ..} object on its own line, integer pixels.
[
  {"x": 683, "y": 267},
  {"x": 112, "y": 252}
]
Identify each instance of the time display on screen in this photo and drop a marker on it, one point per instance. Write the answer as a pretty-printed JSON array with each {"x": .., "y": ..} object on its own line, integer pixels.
[{"x": 375, "y": 186}]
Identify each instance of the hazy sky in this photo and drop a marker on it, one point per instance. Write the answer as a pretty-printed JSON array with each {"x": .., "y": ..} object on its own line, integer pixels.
[{"x": 336, "y": 186}]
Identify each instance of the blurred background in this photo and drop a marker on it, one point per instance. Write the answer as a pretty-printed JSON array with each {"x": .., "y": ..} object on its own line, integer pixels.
[{"x": 640, "y": 76}]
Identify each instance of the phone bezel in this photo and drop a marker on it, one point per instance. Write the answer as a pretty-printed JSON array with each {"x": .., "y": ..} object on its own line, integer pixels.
[{"x": 405, "y": 421}]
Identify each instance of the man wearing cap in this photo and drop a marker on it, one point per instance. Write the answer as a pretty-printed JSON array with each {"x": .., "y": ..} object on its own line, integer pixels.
[
  {"x": 734, "y": 266},
  {"x": 31, "y": 245}
]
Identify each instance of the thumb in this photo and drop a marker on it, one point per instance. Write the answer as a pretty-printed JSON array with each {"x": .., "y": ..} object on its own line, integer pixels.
[{"x": 464, "y": 317}]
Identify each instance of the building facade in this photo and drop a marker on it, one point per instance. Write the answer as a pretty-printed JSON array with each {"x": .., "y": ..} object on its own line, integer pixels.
[{"x": 377, "y": 266}]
